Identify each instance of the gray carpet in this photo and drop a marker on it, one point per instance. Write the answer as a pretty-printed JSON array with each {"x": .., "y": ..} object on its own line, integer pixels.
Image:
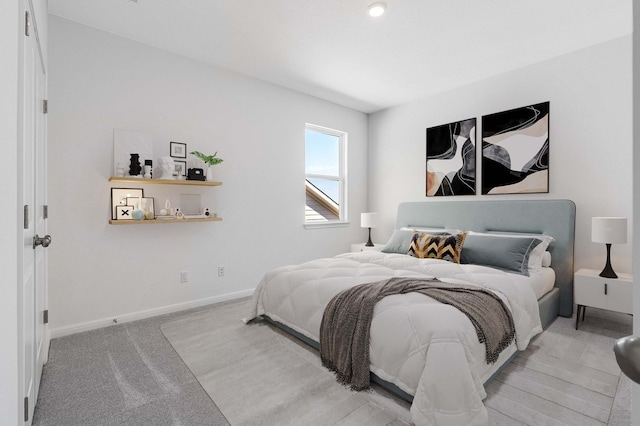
[
  {"x": 126, "y": 374},
  {"x": 259, "y": 375},
  {"x": 129, "y": 374}
]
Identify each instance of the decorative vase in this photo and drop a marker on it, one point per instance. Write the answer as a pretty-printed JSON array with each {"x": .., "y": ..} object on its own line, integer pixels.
[
  {"x": 134, "y": 166},
  {"x": 209, "y": 174}
]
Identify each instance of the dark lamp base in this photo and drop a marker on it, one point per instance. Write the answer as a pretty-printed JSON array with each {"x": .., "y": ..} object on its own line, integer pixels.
[
  {"x": 369, "y": 243},
  {"x": 608, "y": 272}
]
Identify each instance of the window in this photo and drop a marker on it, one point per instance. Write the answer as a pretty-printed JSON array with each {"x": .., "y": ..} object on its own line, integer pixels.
[{"x": 325, "y": 171}]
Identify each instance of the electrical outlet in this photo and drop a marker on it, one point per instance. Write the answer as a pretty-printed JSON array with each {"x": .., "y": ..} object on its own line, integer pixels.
[
  {"x": 184, "y": 277},
  {"x": 221, "y": 271}
]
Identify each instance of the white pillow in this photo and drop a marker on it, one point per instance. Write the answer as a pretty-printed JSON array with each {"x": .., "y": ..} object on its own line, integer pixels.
[
  {"x": 546, "y": 259},
  {"x": 535, "y": 257}
]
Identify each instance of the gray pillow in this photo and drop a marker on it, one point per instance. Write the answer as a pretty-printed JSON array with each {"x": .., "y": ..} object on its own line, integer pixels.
[
  {"x": 400, "y": 241},
  {"x": 508, "y": 254}
]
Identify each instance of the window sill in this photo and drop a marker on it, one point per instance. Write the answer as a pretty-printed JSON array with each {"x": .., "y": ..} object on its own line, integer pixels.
[{"x": 329, "y": 224}]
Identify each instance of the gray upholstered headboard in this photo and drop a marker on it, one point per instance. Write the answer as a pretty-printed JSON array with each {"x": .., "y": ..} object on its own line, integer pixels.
[{"x": 550, "y": 217}]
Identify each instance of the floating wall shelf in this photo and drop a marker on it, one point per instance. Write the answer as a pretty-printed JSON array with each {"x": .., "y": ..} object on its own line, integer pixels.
[{"x": 163, "y": 181}]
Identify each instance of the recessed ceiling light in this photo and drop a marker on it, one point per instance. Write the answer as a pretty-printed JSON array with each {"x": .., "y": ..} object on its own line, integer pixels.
[{"x": 377, "y": 9}]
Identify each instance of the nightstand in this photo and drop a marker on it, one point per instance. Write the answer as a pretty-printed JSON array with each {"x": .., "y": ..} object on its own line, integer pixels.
[
  {"x": 613, "y": 294},
  {"x": 358, "y": 247}
]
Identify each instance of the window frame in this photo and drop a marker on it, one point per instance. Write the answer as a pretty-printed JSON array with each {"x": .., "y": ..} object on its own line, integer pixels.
[{"x": 341, "y": 178}]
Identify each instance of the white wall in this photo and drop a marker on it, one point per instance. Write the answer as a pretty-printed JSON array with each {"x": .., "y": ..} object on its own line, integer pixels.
[
  {"x": 99, "y": 82},
  {"x": 9, "y": 389},
  {"x": 590, "y": 139}
]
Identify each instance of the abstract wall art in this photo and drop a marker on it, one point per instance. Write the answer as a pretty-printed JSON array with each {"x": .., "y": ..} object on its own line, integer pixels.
[
  {"x": 515, "y": 151},
  {"x": 451, "y": 159}
]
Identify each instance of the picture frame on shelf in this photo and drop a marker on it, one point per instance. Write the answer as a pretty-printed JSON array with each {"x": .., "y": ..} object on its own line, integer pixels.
[
  {"x": 178, "y": 149},
  {"x": 181, "y": 167},
  {"x": 119, "y": 198},
  {"x": 124, "y": 212},
  {"x": 134, "y": 201}
]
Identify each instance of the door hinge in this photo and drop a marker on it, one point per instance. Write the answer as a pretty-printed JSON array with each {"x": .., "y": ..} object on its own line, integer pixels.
[
  {"x": 26, "y": 217},
  {"x": 26, "y": 408},
  {"x": 45, "y": 212},
  {"x": 45, "y": 316},
  {"x": 45, "y": 106},
  {"x": 27, "y": 23}
]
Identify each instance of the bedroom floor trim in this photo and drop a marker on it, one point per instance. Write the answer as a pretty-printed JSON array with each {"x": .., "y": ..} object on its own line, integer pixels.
[{"x": 129, "y": 374}]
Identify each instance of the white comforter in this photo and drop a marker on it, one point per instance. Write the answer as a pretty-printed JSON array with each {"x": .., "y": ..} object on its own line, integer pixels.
[{"x": 427, "y": 349}]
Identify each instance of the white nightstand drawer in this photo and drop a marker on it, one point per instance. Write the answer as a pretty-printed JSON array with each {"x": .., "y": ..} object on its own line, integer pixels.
[{"x": 615, "y": 294}]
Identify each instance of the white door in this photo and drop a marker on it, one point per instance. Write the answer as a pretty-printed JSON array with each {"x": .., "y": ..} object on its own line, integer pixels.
[{"x": 33, "y": 292}]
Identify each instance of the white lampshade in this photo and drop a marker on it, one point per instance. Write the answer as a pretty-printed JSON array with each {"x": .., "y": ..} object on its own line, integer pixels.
[
  {"x": 609, "y": 230},
  {"x": 370, "y": 220}
]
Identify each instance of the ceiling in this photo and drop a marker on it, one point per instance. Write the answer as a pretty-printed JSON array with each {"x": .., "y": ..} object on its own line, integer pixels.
[{"x": 334, "y": 50}]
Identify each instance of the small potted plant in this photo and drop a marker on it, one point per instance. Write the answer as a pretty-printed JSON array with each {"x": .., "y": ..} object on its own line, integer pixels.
[{"x": 209, "y": 160}]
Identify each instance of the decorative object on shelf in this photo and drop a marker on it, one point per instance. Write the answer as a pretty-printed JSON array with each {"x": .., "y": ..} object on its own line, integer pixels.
[
  {"x": 451, "y": 159},
  {"x": 515, "y": 151},
  {"x": 180, "y": 167},
  {"x": 178, "y": 149},
  {"x": 206, "y": 212},
  {"x": 119, "y": 170},
  {"x": 167, "y": 168},
  {"x": 209, "y": 160},
  {"x": 148, "y": 169},
  {"x": 148, "y": 208},
  {"x": 119, "y": 198},
  {"x": 138, "y": 213},
  {"x": 126, "y": 142},
  {"x": 609, "y": 230},
  {"x": 134, "y": 165},
  {"x": 179, "y": 214},
  {"x": 369, "y": 220},
  {"x": 124, "y": 212},
  {"x": 196, "y": 174}
]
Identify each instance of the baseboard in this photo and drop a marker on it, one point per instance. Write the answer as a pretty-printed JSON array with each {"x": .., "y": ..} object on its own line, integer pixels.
[{"x": 134, "y": 316}]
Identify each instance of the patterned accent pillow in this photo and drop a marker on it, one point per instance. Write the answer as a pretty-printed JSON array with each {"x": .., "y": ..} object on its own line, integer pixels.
[{"x": 445, "y": 247}]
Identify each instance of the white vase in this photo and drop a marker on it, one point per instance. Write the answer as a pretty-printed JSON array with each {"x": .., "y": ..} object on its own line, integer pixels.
[{"x": 209, "y": 174}]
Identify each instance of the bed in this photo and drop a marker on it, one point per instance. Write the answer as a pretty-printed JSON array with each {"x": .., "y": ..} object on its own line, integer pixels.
[{"x": 420, "y": 349}]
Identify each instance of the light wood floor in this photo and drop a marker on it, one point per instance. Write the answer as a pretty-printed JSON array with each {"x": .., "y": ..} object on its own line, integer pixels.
[{"x": 566, "y": 376}]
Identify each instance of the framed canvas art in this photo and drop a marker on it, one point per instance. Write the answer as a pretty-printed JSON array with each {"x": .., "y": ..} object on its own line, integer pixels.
[
  {"x": 515, "y": 151},
  {"x": 451, "y": 159}
]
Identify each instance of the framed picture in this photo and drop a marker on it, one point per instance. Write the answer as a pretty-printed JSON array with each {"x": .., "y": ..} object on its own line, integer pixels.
[
  {"x": 134, "y": 201},
  {"x": 181, "y": 167},
  {"x": 451, "y": 159},
  {"x": 178, "y": 149},
  {"x": 119, "y": 198},
  {"x": 124, "y": 212},
  {"x": 515, "y": 151}
]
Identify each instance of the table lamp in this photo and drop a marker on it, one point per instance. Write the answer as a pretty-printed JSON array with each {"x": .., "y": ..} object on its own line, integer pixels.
[
  {"x": 369, "y": 220},
  {"x": 609, "y": 230}
]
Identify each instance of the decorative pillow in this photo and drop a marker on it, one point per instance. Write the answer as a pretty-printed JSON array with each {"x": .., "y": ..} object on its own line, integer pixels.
[
  {"x": 399, "y": 242},
  {"x": 429, "y": 246},
  {"x": 546, "y": 259},
  {"x": 510, "y": 254},
  {"x": 401, "y": 239},
  {"x": 536, "y": 256}
]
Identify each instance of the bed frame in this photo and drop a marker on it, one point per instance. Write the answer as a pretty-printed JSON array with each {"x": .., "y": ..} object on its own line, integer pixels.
[{"x": 550, "y": 217}]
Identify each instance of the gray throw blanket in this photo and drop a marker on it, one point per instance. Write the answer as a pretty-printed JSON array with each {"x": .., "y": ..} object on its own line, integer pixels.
[{"x": 346, "y": 323}]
